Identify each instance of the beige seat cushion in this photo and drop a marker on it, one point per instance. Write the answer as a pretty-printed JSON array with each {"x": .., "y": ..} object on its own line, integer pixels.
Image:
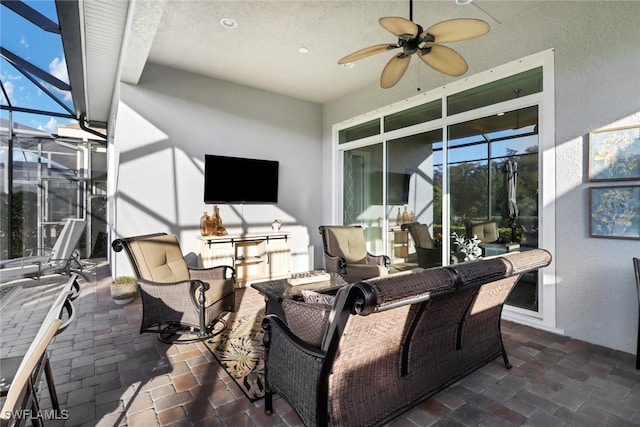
[
  {"x": 160, "y": 259},
  {"x": 218, "y": 289},
  {"x": 487, "y": 232},
  {"x": 347, "y": 243},
  {"x": 365, "y": 271}
]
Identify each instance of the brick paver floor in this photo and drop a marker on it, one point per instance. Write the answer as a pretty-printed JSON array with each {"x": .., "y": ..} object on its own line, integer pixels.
[{"x": 108, "y": 374}]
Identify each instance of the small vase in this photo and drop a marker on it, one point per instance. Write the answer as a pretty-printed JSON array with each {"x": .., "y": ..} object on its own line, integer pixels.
[
  {"x": 405, "y": 216},
  {"x": 276, "y": 224},
  {"x": 205, "y": 225},
  {"x": 217, "y": 229}
]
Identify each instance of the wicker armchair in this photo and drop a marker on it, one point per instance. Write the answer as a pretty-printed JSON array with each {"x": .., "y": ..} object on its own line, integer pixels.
[
  {"x": 179, "y": 303},
  {"x": 428, "y": 255},
  {"x": 345, "y": 252}
]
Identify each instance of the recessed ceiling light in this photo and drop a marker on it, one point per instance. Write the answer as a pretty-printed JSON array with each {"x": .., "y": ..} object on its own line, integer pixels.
[
  {"x": 228, "y": 23},
  {"x": 348, "y": 65},
  {"x": 463, "y": 2},
  {"x": 303, "y": 50}
]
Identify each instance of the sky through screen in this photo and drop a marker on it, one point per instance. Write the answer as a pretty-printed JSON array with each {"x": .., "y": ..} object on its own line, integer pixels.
[{"x": 42, "y": 49}]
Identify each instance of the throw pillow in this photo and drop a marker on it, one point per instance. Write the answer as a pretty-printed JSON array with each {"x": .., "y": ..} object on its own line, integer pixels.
[
  {"x": 312, "y": 297},
  {"x": 307, "y": 321}
]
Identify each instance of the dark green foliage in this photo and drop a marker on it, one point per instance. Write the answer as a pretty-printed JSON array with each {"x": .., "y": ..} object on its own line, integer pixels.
[{"x": 24, "y": 224}]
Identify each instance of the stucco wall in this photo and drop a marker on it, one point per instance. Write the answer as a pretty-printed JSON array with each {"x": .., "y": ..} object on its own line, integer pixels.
[
  {"x": 171, "y": 119},
  {"x": 597, "y": 58}
]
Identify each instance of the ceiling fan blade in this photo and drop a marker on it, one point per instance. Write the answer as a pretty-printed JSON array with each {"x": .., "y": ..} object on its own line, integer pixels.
[
  {"x": 444, "y": 59},
  {"x": 401, "y": 27},
  {"x": 455, "y": 30},
  {"x": 394, "y": 70},
  {"x": 367, "y": 51}
]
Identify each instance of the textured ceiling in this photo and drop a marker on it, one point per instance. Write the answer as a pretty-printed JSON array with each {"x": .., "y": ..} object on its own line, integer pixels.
[{"x": 262, "y": 51}]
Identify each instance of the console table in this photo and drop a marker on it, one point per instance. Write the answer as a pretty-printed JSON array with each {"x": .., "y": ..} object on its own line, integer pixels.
[{"x": 255, "y": 256}]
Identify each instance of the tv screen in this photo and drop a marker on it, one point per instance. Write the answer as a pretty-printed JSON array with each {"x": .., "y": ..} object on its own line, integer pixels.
[
  {"x": 240, "y": 180},
  {"x": 397, "y": 188}
]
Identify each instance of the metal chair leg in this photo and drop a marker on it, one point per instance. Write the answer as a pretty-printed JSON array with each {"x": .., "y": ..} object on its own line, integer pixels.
[{"x": 51, "y": 386}]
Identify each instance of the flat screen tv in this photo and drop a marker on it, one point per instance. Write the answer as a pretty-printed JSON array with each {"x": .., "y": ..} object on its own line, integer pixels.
[
  {"x": 240, "y": 180},
  {"x": 397, "y": 188}
]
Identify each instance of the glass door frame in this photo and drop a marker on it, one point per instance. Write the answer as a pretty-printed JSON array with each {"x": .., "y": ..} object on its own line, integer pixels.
[{"x": 545, "y": 317}]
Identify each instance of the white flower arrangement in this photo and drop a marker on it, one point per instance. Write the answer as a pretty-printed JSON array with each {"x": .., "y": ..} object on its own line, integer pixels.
[{"x": 469, "y": 247}]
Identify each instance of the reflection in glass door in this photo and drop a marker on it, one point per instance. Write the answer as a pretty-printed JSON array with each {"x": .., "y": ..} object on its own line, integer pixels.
[
  {"x": 412, "y": 195},
  {"x": 362, "y": 193},
  {"x": 478, "y": 153}
]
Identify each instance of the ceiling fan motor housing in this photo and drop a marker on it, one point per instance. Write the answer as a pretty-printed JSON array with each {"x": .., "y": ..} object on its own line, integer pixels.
[{"x": 410, "y": 45}]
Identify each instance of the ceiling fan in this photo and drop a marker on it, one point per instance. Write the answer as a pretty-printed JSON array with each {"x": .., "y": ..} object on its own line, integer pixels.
[{"x": 426, "y": 43}]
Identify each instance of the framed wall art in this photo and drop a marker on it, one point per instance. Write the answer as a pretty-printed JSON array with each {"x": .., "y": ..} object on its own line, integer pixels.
[
  {"x": 614, "y": 154},
  {"x": 615, "y": 212}
]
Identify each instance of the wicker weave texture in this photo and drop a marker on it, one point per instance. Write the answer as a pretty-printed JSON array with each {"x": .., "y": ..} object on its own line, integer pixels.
[
  {"x": 441, "y": 324},
  {"x": 411, "y": 284},
  {"x": 307, "y": 321},
  {"x": 481, "y": 340},
  {"x": 368, "y": 362},
  {"x": 475, "y": 273},
  {"x": 293, "y": 373},
  {"x": 164, "y": 303},
  {"x": 527, "y": 260}
]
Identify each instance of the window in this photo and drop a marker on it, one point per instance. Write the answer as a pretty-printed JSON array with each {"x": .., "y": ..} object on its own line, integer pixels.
[
  {"x": 412, "y": 116},
  {"x": 448, "y": 171},
  {"x": 360, "y": 131}
]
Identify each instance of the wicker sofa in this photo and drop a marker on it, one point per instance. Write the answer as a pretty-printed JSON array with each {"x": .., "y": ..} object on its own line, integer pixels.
[{"x": 388, "y": 343}]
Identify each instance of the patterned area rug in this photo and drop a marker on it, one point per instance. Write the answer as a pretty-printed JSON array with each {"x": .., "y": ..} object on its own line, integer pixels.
[{"x": 240, "y": 351}]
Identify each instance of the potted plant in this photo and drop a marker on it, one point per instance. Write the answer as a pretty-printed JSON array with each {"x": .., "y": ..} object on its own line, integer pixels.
[
  {"x": 469, "y": 247},
  {"x": 124, "y": 289}
]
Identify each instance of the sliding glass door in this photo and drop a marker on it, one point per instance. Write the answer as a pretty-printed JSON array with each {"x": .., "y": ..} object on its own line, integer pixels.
[
  {"x": 362, "y": 193},
  {"x": 482, "y": 154},
  {"x": 412, "y": 193},
  {"x": 458, "y": 160}
]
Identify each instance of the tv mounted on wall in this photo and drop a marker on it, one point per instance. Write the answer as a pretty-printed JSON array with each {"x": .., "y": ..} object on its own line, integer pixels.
[{"x": 240, "y": 180}]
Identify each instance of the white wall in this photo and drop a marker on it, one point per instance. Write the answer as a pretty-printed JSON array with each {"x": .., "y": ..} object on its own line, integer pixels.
[
  {"x": 171, "y": 119},
  {"x": 597, "y": 58}
]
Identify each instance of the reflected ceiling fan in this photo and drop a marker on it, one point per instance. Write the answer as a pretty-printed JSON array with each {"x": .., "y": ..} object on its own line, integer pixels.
[{"x": 426, "y": 43}]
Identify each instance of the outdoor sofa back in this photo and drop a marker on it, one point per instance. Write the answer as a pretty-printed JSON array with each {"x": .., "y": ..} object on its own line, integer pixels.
[{"x": 388, "y": 343}]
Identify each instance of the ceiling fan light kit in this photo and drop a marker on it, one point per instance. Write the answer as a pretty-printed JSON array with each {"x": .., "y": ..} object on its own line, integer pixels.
[{"x": 425, "y": 43}]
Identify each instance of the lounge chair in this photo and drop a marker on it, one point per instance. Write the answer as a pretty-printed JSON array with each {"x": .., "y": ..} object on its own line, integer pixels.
[
  {"x": 20, "y": 375},
  {"x": 62, "y": 258}
]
